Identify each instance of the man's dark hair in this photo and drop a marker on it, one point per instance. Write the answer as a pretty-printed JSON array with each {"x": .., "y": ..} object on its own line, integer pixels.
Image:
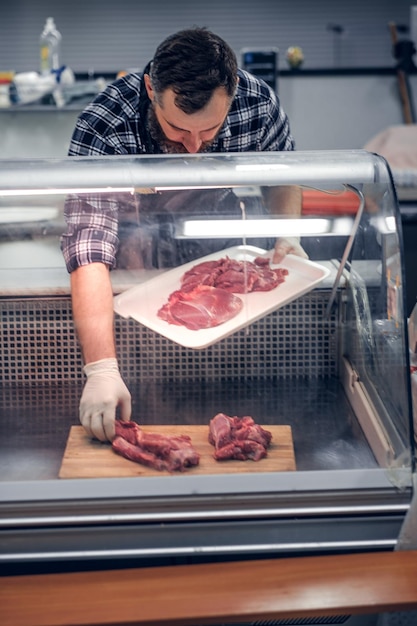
[{"x": 193, "y": 63}]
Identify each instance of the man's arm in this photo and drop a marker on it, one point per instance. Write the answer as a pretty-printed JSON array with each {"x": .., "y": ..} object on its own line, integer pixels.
[
  {"x": 104, "y": 391},
  {"x": 285, "y": 201},
  {"x": 92, "y": 307}
]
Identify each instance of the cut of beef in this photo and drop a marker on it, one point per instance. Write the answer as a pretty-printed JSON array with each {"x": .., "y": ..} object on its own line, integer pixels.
[
  {"x": 241, "y": 451},
  {"x": 220, "y": 432},
  {"x": 161, "y": 452},
  {"x": 137, "y": 454},
  {"x": 201, "y": 307},
  {"x": 238, "y": 438},
  {"x": 127, "y": 430},
  {"x": 235, "y": 276},
  {"x": 206, "y": 297}
]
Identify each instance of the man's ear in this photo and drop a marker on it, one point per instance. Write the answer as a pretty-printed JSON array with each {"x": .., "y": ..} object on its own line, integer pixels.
[{"x": 148, "y": 87}]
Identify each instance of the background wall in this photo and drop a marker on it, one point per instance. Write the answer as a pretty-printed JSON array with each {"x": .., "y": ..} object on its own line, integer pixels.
[
  {"x": 101, "y": 36},
  {"x": 107, "y": 35},
  {"x": 326, "y": 113}
]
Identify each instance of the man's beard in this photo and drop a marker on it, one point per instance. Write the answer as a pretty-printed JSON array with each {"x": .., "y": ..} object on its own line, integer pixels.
[{"x": 167, "y": 146}]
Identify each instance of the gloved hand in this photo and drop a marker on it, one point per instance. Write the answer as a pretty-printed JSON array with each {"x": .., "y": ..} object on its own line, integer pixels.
[
  {"x": 289, "y": 245},
  {"x": 102, "y": 393}
]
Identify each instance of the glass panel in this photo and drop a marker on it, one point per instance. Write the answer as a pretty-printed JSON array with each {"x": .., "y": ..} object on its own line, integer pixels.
[
  {"x": 376, "y": 341},
  {"x": 322, "y": 353},
  {"x": 30, "y": 228}
]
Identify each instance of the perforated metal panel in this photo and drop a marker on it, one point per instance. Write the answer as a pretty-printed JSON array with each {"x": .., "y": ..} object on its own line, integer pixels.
[
  {"x": 39, "y": 346},
  {"x": 37, "y": 342}
]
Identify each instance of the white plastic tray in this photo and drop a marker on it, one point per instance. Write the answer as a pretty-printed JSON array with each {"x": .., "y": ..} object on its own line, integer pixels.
[{"x": 142, "y": 303}]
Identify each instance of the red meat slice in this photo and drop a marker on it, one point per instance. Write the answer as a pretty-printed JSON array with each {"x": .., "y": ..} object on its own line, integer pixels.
[
  {"x": 127, "y": 430},
  {"x": 206, "y": 298},
  {"x": 246, "y": 428},
  {"x": 202, "y": 307},
  {"x": 243, "y": 451},
  {"x": 235, "y": 276},
  {"x": 137, "y": 454},
  {"x": 238, "y": 438},
  {"x": 161, "y": 452},
  {"x": 220, "y": 432},
  {"x": 182, "y": 457}
]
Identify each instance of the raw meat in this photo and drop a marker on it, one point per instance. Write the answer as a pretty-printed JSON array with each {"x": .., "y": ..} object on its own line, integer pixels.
[
  {"x": 235, "y": 276},
  {"x": 201, "y": 307},
  {"x": 206, "y": 298},
  {"x": 137, "y": 454},
  {"x": 238, "y": 438},
  {"x": 160, "y": 452}
]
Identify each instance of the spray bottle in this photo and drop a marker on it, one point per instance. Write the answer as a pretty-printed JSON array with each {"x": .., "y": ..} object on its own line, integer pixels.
[{"x": 50, "y": 47}]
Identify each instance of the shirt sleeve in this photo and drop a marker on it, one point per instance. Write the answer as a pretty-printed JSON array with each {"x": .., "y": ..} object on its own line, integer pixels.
[{"x": 91, "y": 233}]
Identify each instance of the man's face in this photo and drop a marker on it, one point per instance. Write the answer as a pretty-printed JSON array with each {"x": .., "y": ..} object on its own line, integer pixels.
[{"x": 179, "y": 132}]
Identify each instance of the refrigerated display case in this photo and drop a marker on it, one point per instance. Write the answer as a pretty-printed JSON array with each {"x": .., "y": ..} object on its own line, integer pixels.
[{"x": 321, "y": 361}]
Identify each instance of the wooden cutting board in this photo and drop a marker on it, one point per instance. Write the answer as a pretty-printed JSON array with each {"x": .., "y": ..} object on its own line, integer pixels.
[{"x": 88, "y": 458}]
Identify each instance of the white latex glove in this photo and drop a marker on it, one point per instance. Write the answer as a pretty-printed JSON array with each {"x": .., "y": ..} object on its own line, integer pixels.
[
  {"x": 289, "y": 245},
  {"x": 102, "y": 393}
]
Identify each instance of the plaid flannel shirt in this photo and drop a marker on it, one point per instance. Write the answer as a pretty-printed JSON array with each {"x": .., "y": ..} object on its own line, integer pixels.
[{"x": 115, "y": 124}]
